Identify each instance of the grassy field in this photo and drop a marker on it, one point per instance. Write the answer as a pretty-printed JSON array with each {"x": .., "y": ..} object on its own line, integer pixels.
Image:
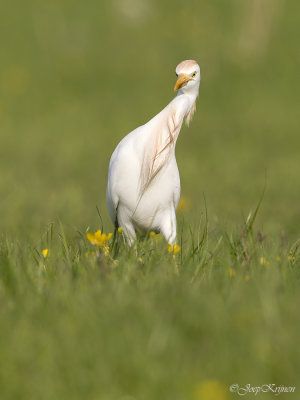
[{"x": 79, "y": 324}]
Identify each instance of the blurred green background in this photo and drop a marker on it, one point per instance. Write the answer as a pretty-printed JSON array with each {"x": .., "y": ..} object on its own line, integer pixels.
[{"x": 76, "y": 77}]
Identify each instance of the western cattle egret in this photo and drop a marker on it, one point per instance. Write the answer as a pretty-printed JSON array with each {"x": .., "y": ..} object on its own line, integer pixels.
[{"x": 143, "y": 187}]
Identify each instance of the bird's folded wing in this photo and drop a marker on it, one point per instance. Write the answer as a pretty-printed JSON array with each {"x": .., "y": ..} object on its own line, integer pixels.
[{"x": 159, "y": 147}]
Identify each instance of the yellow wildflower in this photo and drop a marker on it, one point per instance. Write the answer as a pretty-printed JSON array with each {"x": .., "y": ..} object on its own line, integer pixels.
[
  {"x": 211, "y": 390},
  {"x": 174, "y": 249},
  {"x": 155, "y": 236},
  {"x": 264, "y": 262},
  {"x": 184, "y": 204},
  {"x": 99, "y": 239},
  {"x": 277, "y": 258},
  {"x": 90, "y": 254},
  {"x": 247, "y": 278},
  {"x": 46, "y": 253},
  {"x": 231, "y": 272},
  {"x": 121, "y": 232}
]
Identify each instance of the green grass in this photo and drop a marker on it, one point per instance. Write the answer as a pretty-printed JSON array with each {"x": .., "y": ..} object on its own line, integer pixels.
[
  {"x": 78, "y": 325},
  {"x": 74, "y": 79}
]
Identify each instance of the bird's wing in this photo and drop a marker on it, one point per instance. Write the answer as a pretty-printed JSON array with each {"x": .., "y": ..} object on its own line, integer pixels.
[{"x": 159, "y": 146}]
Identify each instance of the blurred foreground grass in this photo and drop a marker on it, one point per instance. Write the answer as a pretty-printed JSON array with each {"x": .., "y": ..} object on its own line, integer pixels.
[
  {"x": 74, "y": 79},
  {"x": 76, "y": 323}
]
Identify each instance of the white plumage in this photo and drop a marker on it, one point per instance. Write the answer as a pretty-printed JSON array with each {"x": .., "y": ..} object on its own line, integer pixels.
[{"x": 143, "y": 187}]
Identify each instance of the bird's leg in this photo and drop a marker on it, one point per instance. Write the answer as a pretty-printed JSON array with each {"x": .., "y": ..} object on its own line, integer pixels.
[
  {"x": 168, "y": 226},
  {"x": 124, "y": 221},
  {"x": 130, "y": 236}
]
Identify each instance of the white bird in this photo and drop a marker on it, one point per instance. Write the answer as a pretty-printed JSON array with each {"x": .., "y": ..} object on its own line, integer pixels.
[{"x": 143, "y": 187}]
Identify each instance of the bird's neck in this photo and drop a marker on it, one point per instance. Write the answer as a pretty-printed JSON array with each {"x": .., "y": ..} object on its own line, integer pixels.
[
  {"x": 189, "y": 102},
  {"x": 191, "y": 95}
]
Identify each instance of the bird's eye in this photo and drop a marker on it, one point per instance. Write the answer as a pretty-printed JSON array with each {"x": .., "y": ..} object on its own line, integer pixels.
[{"x": 194, "y": 74}]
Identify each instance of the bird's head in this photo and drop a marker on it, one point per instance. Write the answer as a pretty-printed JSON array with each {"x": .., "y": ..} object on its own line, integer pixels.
[{"x": 188, "y": 73}]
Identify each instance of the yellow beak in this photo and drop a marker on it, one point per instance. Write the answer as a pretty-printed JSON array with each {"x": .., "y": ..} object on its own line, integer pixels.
[{"x": 181, "y": 81}]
